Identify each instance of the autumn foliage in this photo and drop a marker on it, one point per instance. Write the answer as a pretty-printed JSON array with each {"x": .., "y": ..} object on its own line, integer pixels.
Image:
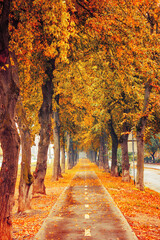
[
  {"x": 87, "y": 72},
  {"x": 137, "y": 207}
]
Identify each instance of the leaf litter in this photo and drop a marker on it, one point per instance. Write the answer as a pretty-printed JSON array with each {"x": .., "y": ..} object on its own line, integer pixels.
[{"x": 141, "y": 209}]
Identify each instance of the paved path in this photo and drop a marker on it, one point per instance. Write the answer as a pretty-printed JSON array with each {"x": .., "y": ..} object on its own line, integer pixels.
[{"x": 84, "y": 211}]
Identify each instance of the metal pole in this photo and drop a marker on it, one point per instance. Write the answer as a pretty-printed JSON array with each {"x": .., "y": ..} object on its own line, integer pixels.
[{"x": 133, "y": 158}]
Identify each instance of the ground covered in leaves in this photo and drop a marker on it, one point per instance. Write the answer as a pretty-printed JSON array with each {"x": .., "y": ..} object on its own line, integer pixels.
[
  {"x": 27, "y": 224},
  {"x": 141, "y": 209}
]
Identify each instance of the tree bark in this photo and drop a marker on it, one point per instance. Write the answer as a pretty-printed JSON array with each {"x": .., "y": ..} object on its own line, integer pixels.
[
  {"x": 153, "y": 157},
  {"x": 56, "y": 134},
  {"x": 70, "y": 159},
  {"x": 92, "y": 155},
  {"x": 140, "y": 161},
  {"x": 45, "y": 114},
  {"x": 140, "y": 140},
  {"x": 106, "y": 163},
  {"x": 72, "y": 154},
  {"x": 63, "y": 156},
  {"x": 10, "y": 146},
  {"x": 114, "y": 168},
  {"x": 75, "y": 156},
  {"x": 26, "y": 179},
  {"x": 9, "y": 138},
  {"x": 125, "y": 158},
  {"x": 103, "y": 153}
]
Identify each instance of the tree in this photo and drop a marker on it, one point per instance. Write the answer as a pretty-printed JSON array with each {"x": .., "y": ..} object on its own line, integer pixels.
[
  {"x": 56, "y": 134},
  {"x": 153, "y": 145},
  {"x": 45, "y": 122},
  {"x": 125, "y": 156},
  {"x": 55, "y": 50},
  {"x": 63, "y": 162},
  {"x": 8, "y": 132},
  {"x": 26, "y": 179},
  {"x": 103, "y": 152},
  {"x": 129, "y": 31}
]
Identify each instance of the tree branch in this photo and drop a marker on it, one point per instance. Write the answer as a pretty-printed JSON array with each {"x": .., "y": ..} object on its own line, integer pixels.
[{"x": 85, "y": 8}]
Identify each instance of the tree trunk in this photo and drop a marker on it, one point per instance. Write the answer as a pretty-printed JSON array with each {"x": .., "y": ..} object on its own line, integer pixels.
[
  {"x": 62, "y": 161},
  {"x": 125, "y": 158},
  {"x": 72, "y": 153},
  {"x": 140, "y": 140},
  {"x": 63, "y": 158},
  {"x": 140, "y": 162},
  {"x": 9, "y": 138},
  {"x": 114, "y": 168},
  {"x": 75, "y": 156},
  {"x": 69, "y": 152},
  {"x": 93, "y": 155},
  {"x": 45, "y": 132},
  {"x": 101, "y": 153},
  {"x": 26, "y": 179},
  {"x": 10, "y": 146},
  {"x": 90, "y": 155},
  {"x": 56, "y": 134},
  {"x": 153, "y": 157},
  {"x": 106, "y": 164}
]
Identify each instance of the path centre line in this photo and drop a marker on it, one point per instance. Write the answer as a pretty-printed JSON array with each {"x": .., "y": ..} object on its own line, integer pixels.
[
  {"x": 87, "y": 233},
  {"x": 87, "y": 216}
]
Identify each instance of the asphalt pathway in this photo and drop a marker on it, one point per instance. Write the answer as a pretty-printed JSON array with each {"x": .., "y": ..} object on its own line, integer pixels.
[{"x": 85, "y": 210}]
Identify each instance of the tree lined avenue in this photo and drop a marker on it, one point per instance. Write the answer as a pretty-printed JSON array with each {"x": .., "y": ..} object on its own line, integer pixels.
[{"x": 83, "y": 75}]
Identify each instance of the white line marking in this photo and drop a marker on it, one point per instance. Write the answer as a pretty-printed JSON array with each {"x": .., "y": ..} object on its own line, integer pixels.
[
  {"x": 87, "y": 216},
  {"x": 86, "y": 189},
  {"x": 86, "y": 186},
  {"x": 86, "y": 205},
  {"x": 87, "y": 233},
  {"x": 86, "y": 193}
]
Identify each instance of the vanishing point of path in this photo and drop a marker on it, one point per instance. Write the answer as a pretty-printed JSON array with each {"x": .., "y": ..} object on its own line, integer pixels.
[{"x": 85, "y": 211}]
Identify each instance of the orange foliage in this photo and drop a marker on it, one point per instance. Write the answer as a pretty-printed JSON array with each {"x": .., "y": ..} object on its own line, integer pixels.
[
  {"x": 27, "y": 224},
  {"x": 141, "y": 209}
]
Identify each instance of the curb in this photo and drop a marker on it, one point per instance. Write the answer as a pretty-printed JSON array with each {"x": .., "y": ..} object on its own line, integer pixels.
[
  {"x": 41, "y": 233},
  {"x": 115, "y": 209},
  {"x": 59, "y": 203}
]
